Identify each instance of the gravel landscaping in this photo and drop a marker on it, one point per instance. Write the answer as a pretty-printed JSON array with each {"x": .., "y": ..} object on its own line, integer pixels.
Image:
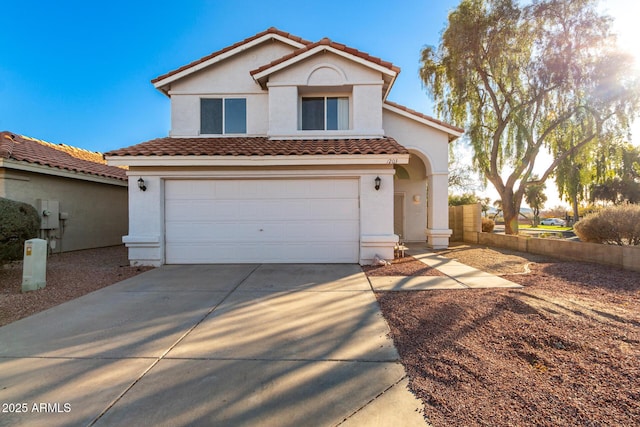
[
  {"x": 407, "y": 266},
  {"x": 69, "y": 275},
  {"x": 564, "y": 350}
]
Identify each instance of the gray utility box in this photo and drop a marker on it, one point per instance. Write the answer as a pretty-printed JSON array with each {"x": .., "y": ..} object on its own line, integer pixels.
[
  {"x": 34, "y": 267},
  {"x": 49, "y": 211}
]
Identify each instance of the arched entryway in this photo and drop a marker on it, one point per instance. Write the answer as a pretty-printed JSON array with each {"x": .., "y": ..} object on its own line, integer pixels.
[
  {"x": 410, "y": 194},
  {"x": 420, "y": 202}
]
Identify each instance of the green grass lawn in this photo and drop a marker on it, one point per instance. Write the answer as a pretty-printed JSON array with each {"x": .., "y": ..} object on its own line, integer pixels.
[{"x": 547, "y": 227}]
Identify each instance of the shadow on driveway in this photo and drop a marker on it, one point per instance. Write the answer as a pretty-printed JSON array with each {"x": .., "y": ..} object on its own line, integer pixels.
[{"x": 209, "y": 345}]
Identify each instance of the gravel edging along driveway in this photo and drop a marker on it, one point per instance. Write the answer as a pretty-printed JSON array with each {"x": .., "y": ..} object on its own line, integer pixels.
[{"x": 69, "y": 275}]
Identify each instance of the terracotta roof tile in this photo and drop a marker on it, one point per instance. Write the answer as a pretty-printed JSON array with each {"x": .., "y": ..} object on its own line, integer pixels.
[
  {"x": 424, "y": 116},
  {"x": 327, "y": 42},
  {"x": 271, "y": 30},
  {"x": 61, "y": 156},
  {"x": 259, "y": 146}
]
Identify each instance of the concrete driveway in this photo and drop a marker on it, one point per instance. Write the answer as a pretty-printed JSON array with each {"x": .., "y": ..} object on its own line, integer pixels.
[{"x": 268, "y": 345}]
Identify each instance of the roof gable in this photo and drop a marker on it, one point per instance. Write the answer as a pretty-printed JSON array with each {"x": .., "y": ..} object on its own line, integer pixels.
[
  {"x": 453, "y": 131},
  {"x": 388, "y": 70},
  {"x": 229, "y": 51},
  {"x": 35, "y": 151}
]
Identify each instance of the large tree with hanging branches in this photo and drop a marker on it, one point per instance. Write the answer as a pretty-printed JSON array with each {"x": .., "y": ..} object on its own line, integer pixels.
[{"x": 516, "y": 76}]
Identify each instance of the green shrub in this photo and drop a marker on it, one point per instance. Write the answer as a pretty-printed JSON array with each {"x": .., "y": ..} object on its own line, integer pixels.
[
  {"x": 487, "y": 225},
  {"x": 618, "y": 225},
  {"x": 18, "y": 222}
]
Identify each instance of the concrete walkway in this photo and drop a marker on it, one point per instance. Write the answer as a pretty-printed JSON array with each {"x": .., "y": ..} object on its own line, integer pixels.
[
  {"x": 268, "y": 345},
  {"x": 457, "y": 275}
]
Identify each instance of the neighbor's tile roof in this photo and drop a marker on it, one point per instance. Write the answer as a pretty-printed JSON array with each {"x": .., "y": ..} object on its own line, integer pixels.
[
  {"x": 271, "y": 30},
  {"x": 328, "y": 42},
  {"x": 259, "y": 146},
  {"x": 25, "y": 149}
]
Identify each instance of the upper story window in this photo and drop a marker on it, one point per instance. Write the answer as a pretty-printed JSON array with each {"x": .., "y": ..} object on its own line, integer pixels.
[
  {"x": 223, "y": 115},
  {"x": 324, "y": 113}
]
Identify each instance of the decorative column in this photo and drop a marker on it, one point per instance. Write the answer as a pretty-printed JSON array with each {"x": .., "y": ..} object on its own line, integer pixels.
[
  {"x": 438, "y": 231},
  {"x": 144, "y": 240},
  {"x": 376, "y": 216}
]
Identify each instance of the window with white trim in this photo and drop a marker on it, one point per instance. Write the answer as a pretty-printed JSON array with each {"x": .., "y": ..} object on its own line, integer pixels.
[
  {"x": 324, "y": 113},
  {"x": 223, "y": 115}
]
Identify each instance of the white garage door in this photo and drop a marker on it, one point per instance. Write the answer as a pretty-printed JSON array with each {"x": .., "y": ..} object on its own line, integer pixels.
[{"x": 247, "y": 221}]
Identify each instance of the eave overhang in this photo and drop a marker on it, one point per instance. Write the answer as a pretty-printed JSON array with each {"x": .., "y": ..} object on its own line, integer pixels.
[
  {"x": 261, "y": 75},
  {"x": 162, "y": 82},
  {"x": 452, "y": 131},
  {"x": 10, "y": 164},
  {"x": 240, "y": 161}
]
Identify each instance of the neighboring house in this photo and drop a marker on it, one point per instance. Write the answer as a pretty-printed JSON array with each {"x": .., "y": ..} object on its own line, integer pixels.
[
  {"x": 283, "y": 150},
  {"x": 82, "y": 201}
]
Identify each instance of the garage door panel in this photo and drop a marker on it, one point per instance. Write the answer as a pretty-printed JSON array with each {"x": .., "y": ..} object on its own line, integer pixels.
[
  {"x": 197, "y": 189},
  {"x": 195, "y": 209},
  {"x": 319, "y": 252},
  {"x": 231, "y": 190},
  {"x": 331, "y": 189},
  {"x": 222, "y": 232},
  {"x": 192, "y": 253},
  {"x": 327, "y": 231},
  {"x": 203, "y": 232},
  {"x": 334, "y": 208},
  {"x": 252, "y": 253},
  {"x": 261, "y": 220}
]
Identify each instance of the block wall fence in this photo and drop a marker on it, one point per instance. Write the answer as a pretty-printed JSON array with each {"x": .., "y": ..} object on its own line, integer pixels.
[{"x": 465, "y": 221}]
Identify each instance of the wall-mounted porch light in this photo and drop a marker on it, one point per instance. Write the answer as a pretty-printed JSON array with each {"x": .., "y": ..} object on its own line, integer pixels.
[
  {"x": 141, "y": 184},
  {"x": 377, "y": 181}
]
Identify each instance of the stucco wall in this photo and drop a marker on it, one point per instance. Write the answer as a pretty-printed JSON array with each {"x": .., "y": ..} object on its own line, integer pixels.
[
  {"x": 97, "y": 212},
  {"x": 326, "y": 75},
  {"x": 431, "y": 146},
  {"x": 232, "y": 75},
  {"x": 344, "y": 72},
  {"x": 276, "y": 113},
  {"x": 434, "y": 144},
  {"x": 229, "y": 78}
]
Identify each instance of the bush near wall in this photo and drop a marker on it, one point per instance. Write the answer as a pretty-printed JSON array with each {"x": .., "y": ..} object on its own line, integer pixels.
[
  {"x": 487, "y": 225},
  {"x": 618, "y": 225},
  {"x": 18, "y": 222}
]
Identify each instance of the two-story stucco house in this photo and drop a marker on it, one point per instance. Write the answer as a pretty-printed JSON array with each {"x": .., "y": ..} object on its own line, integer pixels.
[{"x": 284, "y": 150}]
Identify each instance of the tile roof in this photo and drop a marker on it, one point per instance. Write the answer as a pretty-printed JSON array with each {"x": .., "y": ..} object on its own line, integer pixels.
[
  {"x": 271, "y": 30},
  {"x": 259, "y": 146},
  {"x": 424, "y": 116},
  {"x": 25, "y": 149},
  {"x": 328, "y": 42}
]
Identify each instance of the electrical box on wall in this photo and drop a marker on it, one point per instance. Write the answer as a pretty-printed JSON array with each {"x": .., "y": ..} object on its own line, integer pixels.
[{"x": 49, "y": 211}]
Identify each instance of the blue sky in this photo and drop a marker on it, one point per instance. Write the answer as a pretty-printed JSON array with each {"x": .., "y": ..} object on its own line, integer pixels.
[{"x": 78, "y": 72}]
